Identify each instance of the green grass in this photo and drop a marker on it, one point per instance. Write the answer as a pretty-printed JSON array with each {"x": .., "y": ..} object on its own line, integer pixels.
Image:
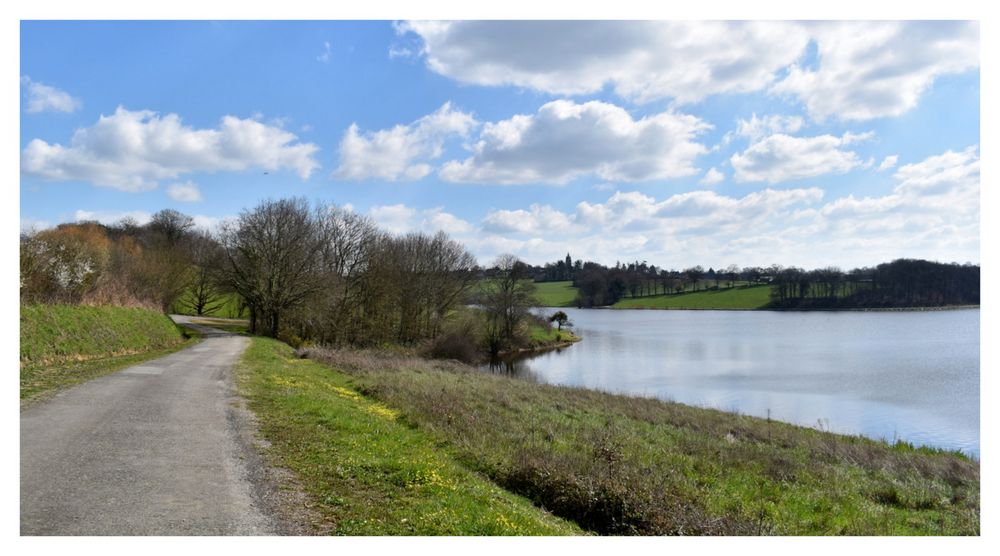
[
  {"x": 754, "y": 297},
  {"x": 368, "y": 471},
  {"x": 624, "y": 465},
  {"x": 542, "y": 334},
  {"x": 555, "y": 294},
  {"x": 63, "y": 345},
  {"x": 230, "y": 308}
]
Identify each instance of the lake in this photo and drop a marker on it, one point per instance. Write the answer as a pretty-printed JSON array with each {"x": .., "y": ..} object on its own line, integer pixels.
[{"x": 910, "y": 375}]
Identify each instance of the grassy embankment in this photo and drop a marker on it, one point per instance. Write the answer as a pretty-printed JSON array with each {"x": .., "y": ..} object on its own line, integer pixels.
[
  {"x": 62, "y": 345},
  {"x": 612, "y": 464},
  {"x": 753, "y": 297},
  {"x": 366, "y": 470}
]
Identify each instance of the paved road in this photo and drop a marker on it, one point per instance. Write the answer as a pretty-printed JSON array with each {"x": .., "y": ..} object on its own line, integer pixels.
[{"x": 155, "y": 449}]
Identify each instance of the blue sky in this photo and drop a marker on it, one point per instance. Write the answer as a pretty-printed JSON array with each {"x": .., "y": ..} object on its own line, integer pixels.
[{"x": 678, "y": 143}]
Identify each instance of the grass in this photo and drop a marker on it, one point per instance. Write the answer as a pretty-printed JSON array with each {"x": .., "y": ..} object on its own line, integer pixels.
[
  {"x": 63, "y": 345},
  {"x": 543, "y": 334},
  {"x": 230, "y": 308},
  {"x": 234, "y": 326},
  {"x": 555, "y": 294},
  {"x": 367, "y": 470},
  {"x": 753, "y": 297},
  {"x": 624, "y": 465}
]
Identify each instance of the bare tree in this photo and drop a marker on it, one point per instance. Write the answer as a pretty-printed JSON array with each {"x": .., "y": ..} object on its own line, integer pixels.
[
  {"x": 506, "y": 299},
  {"x": 272, "y": 258}
]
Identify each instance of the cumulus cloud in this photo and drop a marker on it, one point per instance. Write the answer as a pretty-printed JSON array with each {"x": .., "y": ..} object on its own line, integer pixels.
[
  {"x": 401, "y": 219},
  {"x": 135, "y": 150},
  {"x": 931, "y": 212},
  {"x": 537, "y": 219},
  {"x": 781, "y": 157},
  {"x": 402, "y": 152},
  {"x": 43, "y": 98},
  {"x": 565, "y": 140},
  {"x": 877, "y": 69},
  {"x": 712, "y": 177},
  {"x": 641, "y": 60},
  {"x": 186, "y": 192},
  {"x": 756, "y": 128},
  {"x": 888, "y": 162},
  {"x": 862, "y": 70}
]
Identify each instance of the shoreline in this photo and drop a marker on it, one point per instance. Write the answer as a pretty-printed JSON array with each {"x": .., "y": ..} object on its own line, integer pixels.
[{"x": 789, "y": 309}]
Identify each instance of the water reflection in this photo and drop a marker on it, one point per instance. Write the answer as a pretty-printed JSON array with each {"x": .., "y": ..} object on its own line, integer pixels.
[{"x": 907, "y": 375}]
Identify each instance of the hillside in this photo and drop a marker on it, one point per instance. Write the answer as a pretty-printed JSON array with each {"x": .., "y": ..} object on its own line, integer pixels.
[{"x": 67, "y": 344}]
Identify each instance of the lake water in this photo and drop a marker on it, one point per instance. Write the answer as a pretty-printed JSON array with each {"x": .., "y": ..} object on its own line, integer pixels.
[{"x": 907, "y": 375}]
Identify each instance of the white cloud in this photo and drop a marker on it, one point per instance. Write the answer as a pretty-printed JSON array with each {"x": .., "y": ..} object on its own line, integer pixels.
[
  {"x": 712, "y": 177},
  {"x": 565, "y": 140},
  {"x": 326, "y": 55},
  {"x": 641, "y": 60},
  {"x": 401, "y": 219},
  {"x": 877, "y": 69},
  {"x": 781, "y": 157},
  {"x": 186, "y": 192},
  {"x": 932, "y": 212},
  {"x": 538, "y": 219},
  {"x": 42, "y": 98},
  {"x": 133, "y": 151},
  {"x": 862, "y": 70},
  {"x": 402, "y": 152},
  {"x": 888, "y": 162},
  {"x": 756, "y": 128}
]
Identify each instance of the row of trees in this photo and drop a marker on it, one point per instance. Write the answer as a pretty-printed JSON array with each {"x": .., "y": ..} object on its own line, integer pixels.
[
  {"x": 901, "y": 283},
  {"x": 331, "y": 275},
  {"x": 321, "y": 273}
]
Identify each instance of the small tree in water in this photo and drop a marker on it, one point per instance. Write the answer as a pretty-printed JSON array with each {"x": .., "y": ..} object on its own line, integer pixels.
[{"x": 560, "y": 318}]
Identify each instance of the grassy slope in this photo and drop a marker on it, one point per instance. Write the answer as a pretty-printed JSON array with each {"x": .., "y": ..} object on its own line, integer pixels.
[
  {"x": 555, "y": 294},
  {"x": 63, "y": 345},
  {"x": 755, "y": 297},
  {"x": 616, "y": 464},
  {"x": 365, "y": 469}
]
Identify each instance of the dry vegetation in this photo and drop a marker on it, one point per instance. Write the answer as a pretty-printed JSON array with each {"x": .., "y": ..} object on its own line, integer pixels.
[{"x": 625, "y": 465}]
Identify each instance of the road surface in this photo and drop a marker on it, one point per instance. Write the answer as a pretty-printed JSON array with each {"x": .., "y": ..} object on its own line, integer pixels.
[{"x": 161, "y": 448}]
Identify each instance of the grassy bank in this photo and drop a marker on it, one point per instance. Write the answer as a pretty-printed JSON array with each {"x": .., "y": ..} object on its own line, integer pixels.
[
  {"x": 62, "y": 345},
  {"x": 228, "y": 308},
  {"x": 754, "y": 297},
  {"x": 555, "y": 294},
  {"x": 368, "y": 471},
  {"x": 623, "y": 465}
]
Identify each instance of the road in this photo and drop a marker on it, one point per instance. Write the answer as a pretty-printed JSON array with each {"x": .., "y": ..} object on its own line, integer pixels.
[{"x": 161, "y": 448}]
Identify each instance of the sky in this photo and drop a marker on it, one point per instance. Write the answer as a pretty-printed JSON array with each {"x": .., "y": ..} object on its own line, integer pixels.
[{"x": 677, "y": 143}]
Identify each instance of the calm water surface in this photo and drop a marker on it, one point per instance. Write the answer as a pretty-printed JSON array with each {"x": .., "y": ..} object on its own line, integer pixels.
[{"x": 907, "y": 375}]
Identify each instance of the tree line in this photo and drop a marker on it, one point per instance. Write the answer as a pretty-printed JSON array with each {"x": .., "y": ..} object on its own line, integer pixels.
[
  {"x": 302, "y": 272},
  {"x": 900, "y": 283}
]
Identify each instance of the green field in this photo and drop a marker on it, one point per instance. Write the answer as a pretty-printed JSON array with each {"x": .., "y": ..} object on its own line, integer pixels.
[
  {"x": 754, "y": 297},
  {"x": 365, "y": 469},
  {"x": 230, "y": 307},
  {"x": 555, "y": 294},
  {"x": 63, "y": 345},
  {"x": 623, "y": 465}
]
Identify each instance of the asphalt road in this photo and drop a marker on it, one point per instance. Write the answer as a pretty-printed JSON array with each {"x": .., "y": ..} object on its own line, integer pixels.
[{"x": 161, "y": 448}]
